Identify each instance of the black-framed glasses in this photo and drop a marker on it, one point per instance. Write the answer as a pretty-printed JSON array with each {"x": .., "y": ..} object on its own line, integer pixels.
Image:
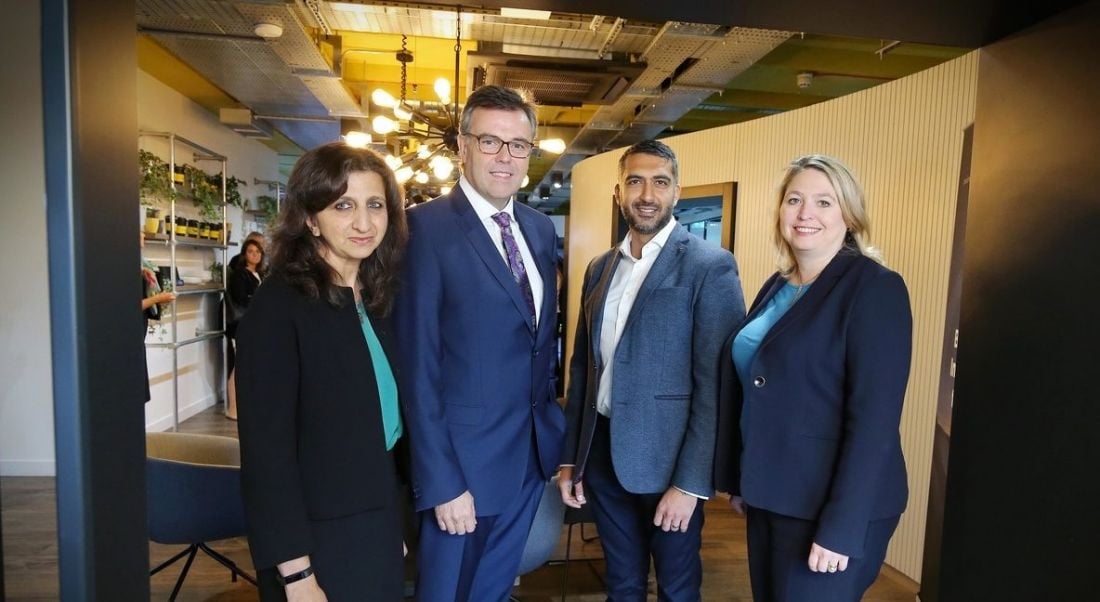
[{"x": 491, "y": 145}]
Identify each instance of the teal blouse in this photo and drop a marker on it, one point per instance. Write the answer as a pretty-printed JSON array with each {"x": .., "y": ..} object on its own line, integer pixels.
[
  {"x": 383, "y": 375},
  {"x": 748, "y": 340}
]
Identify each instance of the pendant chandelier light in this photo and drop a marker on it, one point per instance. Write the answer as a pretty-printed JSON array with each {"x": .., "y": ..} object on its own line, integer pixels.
[{"x": 428, "y": 131}]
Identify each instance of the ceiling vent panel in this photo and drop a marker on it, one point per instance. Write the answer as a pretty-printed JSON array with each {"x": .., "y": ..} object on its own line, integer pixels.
[
  {"x": 556, "y": 81},
  {"x": 241, "y": 121}
]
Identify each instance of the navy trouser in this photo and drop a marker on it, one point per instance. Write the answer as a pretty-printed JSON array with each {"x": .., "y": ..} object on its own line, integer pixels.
[{"x": 629, "y": 537}]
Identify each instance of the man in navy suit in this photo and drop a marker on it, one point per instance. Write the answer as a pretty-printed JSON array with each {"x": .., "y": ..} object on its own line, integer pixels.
[
  {"x": 643, "y": 388},
  {"x": 475, "y": 320}
]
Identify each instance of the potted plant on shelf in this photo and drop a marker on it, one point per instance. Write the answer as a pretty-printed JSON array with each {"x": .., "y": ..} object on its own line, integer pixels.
[
  {"x": 205, "y": 193},
  {"x": 216, "y": 269},
  {"x": 155, "y": 185},
  {"x": 269, "y": 207}
]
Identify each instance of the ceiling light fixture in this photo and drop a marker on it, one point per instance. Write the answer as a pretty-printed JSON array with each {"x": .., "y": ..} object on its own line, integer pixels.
[
  {"x": 268, "y": 30},
  {"x": 424, "y": 135}
]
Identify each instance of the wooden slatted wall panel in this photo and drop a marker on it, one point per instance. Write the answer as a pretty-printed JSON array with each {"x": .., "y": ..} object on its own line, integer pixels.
[{"x": 904, "y": 142}]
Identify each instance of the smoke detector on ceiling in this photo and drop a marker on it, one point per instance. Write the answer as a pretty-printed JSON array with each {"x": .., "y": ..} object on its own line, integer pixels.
[
  {"x": 268, "y": 30},
  {"x": 804, "y": 79}
]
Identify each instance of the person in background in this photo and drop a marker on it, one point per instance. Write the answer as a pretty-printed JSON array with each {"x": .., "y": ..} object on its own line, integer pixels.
[
  {"x": 643, "y": 386},
  {"x": 153, "y": 303},
  {"x": 812, "y": 391},
  {"x": 475, "y": 318},
  {"x": 320, "y": 420},
  {"x": 252, "y": 236},
  {"x": 244, "y": 278}
]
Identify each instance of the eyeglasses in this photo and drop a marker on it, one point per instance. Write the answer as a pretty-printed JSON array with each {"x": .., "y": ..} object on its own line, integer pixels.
[{"x": 491, "y": 145}]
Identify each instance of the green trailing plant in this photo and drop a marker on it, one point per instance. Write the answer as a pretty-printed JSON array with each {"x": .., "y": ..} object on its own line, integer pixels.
[
  {"x": 268, "y": 206},
  {"x": 155, "y": 185},
  {"x": 216, "y": 269},
  {"x": 232, "y": 191},
  {"x": 205, "y": 193}
]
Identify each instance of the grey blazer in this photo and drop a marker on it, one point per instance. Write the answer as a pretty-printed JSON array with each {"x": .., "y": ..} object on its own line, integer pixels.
[{"x": 664, "y": 390}]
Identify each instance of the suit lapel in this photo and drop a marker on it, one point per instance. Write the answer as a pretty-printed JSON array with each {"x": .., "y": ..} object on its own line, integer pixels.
[
  {"x": 667, "y": 260},
  {"x": 479, "y": 239},
  {"x": 812, "y": 297},
  {"x": 597, "y": 300}
]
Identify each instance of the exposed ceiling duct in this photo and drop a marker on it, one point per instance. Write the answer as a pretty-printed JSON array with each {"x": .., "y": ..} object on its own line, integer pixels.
[
  {"x": 287, "y": 75},
  {"x": 685, "y": 64},
  {"x": 563, "y": 82}
]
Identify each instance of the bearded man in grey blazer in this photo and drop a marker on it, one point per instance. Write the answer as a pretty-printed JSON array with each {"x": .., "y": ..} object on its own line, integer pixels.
[{"x": 642, "y": 400}]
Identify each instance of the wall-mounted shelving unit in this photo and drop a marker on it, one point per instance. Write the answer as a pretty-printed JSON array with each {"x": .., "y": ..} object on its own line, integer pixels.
[{"x": 177, "y": 147}]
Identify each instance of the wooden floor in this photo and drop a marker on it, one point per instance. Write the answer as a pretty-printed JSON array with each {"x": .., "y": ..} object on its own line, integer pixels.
[{"x": 30, "y": 552}]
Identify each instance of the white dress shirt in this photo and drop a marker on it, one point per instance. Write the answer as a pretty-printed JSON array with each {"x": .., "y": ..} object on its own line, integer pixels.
[
  {"x": 485, "y": 212},
  {"x": 628, "y": 278}
]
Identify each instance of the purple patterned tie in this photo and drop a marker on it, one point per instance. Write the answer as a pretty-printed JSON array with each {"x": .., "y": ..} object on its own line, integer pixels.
[{"x": 515, "y": 261}]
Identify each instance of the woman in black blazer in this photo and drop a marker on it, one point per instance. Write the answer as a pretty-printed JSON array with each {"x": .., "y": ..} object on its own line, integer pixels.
[
  {"x": 246, "y": 272},
  {"x": 811, "y": 401},
  {"x": 319, "y": 415}
]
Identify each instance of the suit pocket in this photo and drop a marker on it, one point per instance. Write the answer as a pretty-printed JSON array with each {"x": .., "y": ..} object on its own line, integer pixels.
[
  {"x": 458, "y": 413},
  {"x": 678, "y": 396}
]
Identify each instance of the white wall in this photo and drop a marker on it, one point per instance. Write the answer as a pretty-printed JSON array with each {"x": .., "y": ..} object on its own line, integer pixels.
[
  {"x": 201, "y": 378},
  {"x": 26, "y": 391}
]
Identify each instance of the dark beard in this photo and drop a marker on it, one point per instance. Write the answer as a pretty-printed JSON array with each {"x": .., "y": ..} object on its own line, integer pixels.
[{"x": 662, "y": 220}]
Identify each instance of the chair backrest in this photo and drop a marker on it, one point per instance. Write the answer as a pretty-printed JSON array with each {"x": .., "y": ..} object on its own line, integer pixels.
[
  {"x": 193, "y": 486},
  {"x": 545, "y": 530}
]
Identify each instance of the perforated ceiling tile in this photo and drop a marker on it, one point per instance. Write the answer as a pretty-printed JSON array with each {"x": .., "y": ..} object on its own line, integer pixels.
[
  {"x": 738, "y": 50},
  {"x": 295, "y": 46}
]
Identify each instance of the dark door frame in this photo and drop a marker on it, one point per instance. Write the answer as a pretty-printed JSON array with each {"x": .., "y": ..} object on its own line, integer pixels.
[{"x": 89, "y": 85}]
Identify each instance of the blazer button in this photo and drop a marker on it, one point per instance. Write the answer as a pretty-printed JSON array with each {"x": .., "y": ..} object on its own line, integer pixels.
[{"x": 759, "y": 381}]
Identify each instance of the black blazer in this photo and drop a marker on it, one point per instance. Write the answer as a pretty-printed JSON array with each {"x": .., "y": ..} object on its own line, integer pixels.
[
  {"x": 241, "y": 287},
  {"x": 814, "y": 434},
  {"x": 312, "y": 445}
]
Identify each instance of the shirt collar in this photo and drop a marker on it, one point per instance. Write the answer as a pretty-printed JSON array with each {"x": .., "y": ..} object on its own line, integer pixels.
[
  {"x": 655, "y": 244},
  {"x": 483, "y": 208}
]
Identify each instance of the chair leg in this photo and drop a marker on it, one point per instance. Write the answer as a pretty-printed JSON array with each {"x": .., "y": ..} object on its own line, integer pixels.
[
  {"x": 183, "y": 575},
  {"x": 164, "y": 564},
  {"x": 588, "y": 539},
  {"x": 565, "y": 565},
  {"x": 229, "y": 564}
]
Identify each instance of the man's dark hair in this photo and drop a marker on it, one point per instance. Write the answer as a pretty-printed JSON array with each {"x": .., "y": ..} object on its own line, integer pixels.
[
  {"x": 497, "y": 97},
  {"x": 655, "y": 148}
]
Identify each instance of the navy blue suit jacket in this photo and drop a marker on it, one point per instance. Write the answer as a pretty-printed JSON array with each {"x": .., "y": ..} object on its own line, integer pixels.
[
  {"x": 816, "y": 425},
  {"x": 477, "y": 376},
  {"x": 664, "y": 389}
]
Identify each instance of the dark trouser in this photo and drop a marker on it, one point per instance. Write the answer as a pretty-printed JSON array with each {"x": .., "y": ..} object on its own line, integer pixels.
[
  {"x": 479, "y": 566},
  {"x": 628, "y": 535},
  {"x": 779, "y": 550},
  {"x": 356, "y": 558}
]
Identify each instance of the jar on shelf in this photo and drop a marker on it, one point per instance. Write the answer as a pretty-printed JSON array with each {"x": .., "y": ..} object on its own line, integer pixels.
[
  {"x": 181, "y": 226},
  {"x": 204, "y": 231},
  {"x": 216, "y": 232},
  {"x": 193, "y": 228}
]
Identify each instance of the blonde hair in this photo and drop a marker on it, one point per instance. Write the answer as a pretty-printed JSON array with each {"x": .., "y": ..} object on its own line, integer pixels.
[{"x": 849, "y": 195}]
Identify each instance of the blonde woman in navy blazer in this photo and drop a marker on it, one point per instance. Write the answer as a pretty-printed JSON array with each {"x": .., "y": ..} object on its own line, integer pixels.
[{"x": 811, "y": 401}]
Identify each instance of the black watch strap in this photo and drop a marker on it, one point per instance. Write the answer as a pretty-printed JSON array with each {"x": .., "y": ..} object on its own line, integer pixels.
[{"x": 286, "y": 580}]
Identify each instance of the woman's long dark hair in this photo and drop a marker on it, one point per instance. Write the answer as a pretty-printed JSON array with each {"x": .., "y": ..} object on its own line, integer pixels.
[
  {"x": 241, "y": 262},
  {"x": 320, "y": 177}
]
